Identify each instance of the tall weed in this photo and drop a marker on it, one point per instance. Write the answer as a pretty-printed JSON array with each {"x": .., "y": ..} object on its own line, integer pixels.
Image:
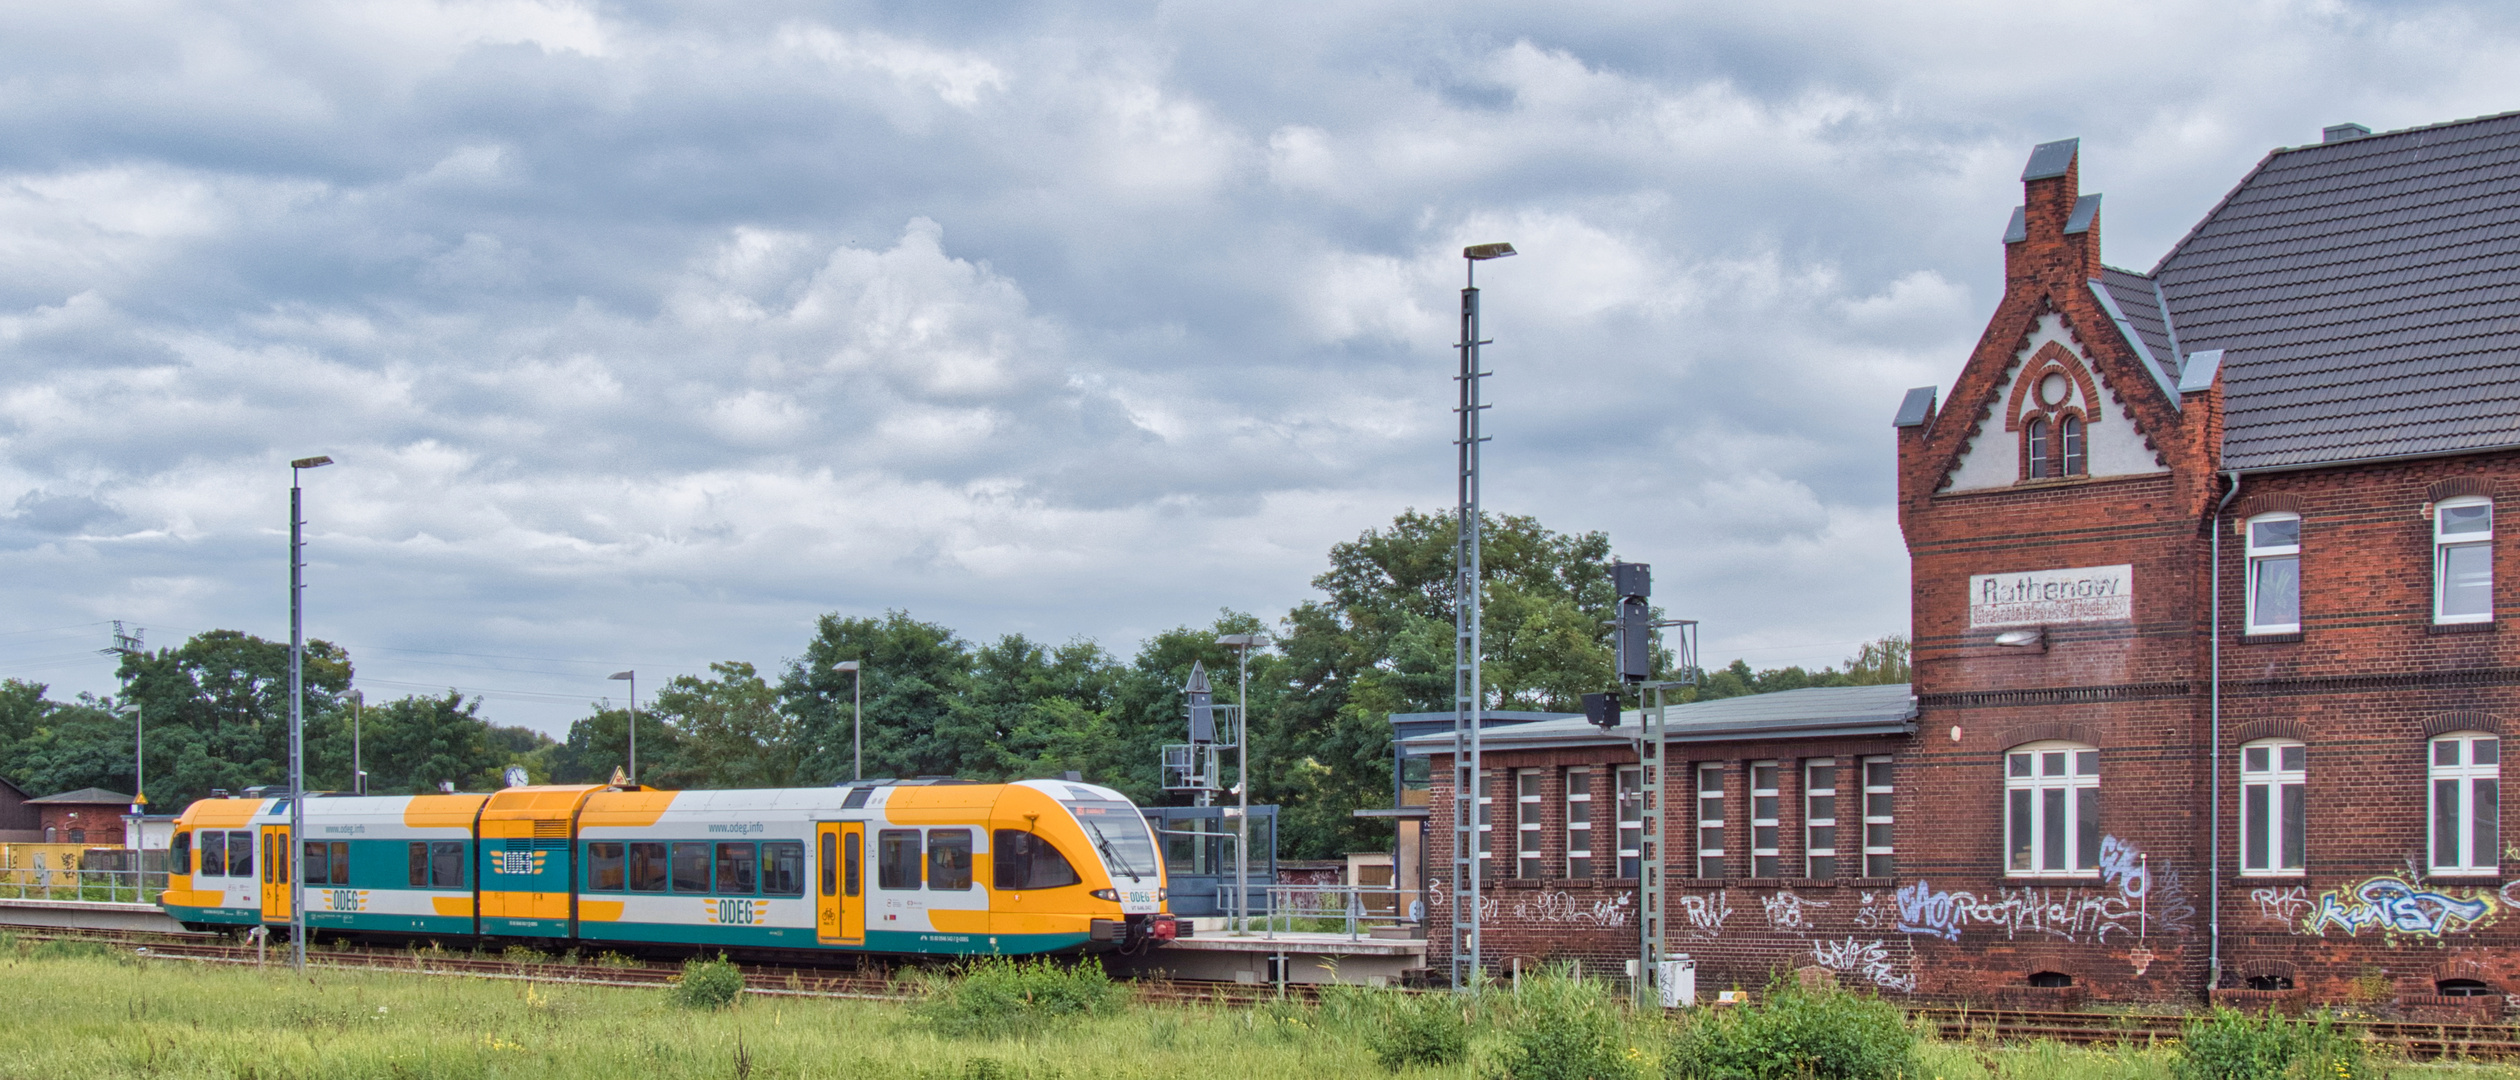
[
  {"x": 709, "y": 984},
  {"x": 1562, "y": 1028},
  {"x": 2229, "y": 1045},
  {"x": 1420, "y": 1030},
  {"x": 1797, "y": 1033},
  {"x": 998, "y": 997}
]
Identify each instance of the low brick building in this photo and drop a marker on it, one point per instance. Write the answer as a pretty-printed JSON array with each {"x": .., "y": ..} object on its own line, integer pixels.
[
  {"x": 92, "y": 816},
  {"x": 2208, "y": 672}
]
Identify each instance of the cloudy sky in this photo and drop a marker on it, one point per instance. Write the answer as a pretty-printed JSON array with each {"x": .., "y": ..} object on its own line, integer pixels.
[{"x": 645, "y": 333}]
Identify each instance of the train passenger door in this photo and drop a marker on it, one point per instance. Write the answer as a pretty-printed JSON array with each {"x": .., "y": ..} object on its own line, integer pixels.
[
  {"x": 840, "y": 885},
  {"x": 276, "y": 868}
]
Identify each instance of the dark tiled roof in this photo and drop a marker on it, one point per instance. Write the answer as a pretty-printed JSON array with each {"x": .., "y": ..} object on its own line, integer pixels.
[
  {"x": 1813, "y": 712},
  {"x": 2366, "y": 294},
  {"x": 84, "y": 797},
  {"x": 2141, "y": 306}
]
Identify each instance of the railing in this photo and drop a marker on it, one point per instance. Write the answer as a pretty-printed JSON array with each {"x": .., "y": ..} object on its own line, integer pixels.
[
  {"x": 1349, "y": 909},
  {"x": 79, "y": 872}
]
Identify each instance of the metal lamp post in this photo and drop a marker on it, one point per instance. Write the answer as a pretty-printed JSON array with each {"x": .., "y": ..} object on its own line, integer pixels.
[
  {"x": 857, "y": 718},
  {"x": 1242, "y": 644},
  {"x": 358, "y": 775},
  {"x": 297, "y": 711},
  {"x": 1468, "y": 696},
  {"x": 633, "y": 676}
]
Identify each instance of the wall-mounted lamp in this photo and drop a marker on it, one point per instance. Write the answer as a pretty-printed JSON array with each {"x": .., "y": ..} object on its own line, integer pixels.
[{"x": 2022, "y": 639}]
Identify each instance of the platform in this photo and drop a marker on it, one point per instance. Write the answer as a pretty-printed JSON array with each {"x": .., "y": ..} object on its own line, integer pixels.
[
  {"x": 87, "y": 915},
  {"x": 1304, "y": 958}
]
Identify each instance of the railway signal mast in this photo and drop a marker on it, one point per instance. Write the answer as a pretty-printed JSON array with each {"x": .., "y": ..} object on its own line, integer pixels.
[
  {"x": 1197, "y": 767},
  {"x": 1635, "y": 655}
]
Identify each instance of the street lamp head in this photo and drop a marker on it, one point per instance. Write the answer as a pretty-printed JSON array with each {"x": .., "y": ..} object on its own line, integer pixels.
[
  {"x": 1484, "y": 252},
  {"x": 845, "y": 665},
  {"x": 316, "y": 462},
  {"x": 618, "y": 675},
  {"x": 1243, "y": 641}
]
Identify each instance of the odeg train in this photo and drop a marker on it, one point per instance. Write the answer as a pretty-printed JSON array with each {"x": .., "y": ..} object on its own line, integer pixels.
[{"x": 888, "y": 866}]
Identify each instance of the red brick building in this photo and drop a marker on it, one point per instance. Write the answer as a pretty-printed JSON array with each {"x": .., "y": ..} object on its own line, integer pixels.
[
  {"x": 2209, "y": 683},
  {"x": 92, "y": 816}
]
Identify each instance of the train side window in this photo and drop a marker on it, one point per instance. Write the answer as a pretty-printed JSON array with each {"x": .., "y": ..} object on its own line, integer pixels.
[
  {"x": 829, "y": 855},
  {"x": 317, "y": 867},
  {"x": 897, "y": 858},
  {"x": 853, "y": 865},
  {"x": 857, "y": 798},
  {"x": 783, "y": 868},
  {"x": 446, "y": 864},
  {"x": 1025, "y": 861},
  {"x": 179, "y": 854},
  {"x": 691, "y": 868},
  {"x": 341, "y": 862},
  {"x": 603, "y": 866},
  {"x": 214, "y": 854},
  {"x": 949, "y": 859},
  {"x": 418, "y": 868},
  {"x": 647, "y": 868},
  {"x": 735, "y": 868},
  {"x": 271, "y": 853},
  {"x": 241, "y": 853}
]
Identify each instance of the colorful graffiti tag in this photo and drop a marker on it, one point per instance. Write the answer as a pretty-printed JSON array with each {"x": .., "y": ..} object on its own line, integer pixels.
[{"x": 2394, "y": 906}]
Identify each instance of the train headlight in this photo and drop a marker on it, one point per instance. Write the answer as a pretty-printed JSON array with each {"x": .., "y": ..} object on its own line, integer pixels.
[
  {"x": 1162, "y": 895},
  {"x": 1112, "y": 895}
]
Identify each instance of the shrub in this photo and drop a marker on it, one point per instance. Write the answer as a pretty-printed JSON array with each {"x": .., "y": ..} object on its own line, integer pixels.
[
  {"x": 1420, "y": 1030},
  {"x": 708, "y": 984},
  {"x": 2229, "y": 1045},
  {"x": 1820, "y": 1034},
  {"x": 1562, "y": 1028},
  {"x": 998, "y": 997}
]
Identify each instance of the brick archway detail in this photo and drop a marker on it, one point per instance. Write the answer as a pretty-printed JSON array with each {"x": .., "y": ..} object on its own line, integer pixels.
[
  {"x": 2459, "y": 485},
  {"x": 2266, "y": 729},
  {"x": 2044, "y": 732},
  {"x": 2445, "y": 723}
]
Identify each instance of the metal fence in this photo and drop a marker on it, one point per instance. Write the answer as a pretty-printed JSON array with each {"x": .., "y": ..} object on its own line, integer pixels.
[
  {"x": 1353, "y": 910},
  {"x": 79, "y": 872}
]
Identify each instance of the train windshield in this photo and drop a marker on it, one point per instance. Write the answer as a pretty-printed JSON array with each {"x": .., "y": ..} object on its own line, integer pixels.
[{"x": 1118, "y": 833}]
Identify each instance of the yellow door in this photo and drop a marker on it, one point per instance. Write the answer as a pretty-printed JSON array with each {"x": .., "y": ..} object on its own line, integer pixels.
[
  {"x": 840, "y": 883},
  {"x": 275, "y": 873},
  {"x": 827, "y": 882}
]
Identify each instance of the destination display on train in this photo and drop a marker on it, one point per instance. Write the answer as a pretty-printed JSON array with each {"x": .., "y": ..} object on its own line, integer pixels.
[{"x": 2047, "y": 597}]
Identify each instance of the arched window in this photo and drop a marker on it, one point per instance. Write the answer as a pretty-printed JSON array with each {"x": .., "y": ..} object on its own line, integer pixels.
[
  {"x": 2274, "y": 582},
  {"x": 2038, "y": 448},
  {"x": 2272, "y": 807},
  {"x": 2052, "y": 810},
  {"x": 2463, "y": 560},
  {"x": 2069, "y": 431},
  {"x": 2466, "y": 803}
]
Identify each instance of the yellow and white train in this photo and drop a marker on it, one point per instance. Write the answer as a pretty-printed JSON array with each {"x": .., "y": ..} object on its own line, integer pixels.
[{"x": 926, "y": 866}]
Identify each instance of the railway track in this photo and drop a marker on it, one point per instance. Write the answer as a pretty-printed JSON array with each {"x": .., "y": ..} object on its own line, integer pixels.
[{"x": 2425, "y": 1040}]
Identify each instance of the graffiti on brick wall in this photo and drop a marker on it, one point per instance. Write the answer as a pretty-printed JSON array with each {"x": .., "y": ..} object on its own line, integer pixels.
[
  {"x": 2284, "y": 905},
  {"x": 2392, "y": 905},
  {"x": 1489, "y": 907},
  {"x": 1564, "y": 908},
  {"x": 1869, "y": 914},
  {"x": 1866, "y": 959},
  {"x": 1786, "y": 911},
  {"x": 1704, "y": 915},
  {"x": 2134, "y": 900}
]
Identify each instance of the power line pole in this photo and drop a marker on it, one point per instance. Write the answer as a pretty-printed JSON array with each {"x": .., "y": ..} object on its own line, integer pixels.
[{"x": 1468, "y": 696}]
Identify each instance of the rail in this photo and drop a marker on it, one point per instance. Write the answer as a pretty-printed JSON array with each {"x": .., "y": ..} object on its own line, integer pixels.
[
  {"x": 79, "y": 872},
  {"x": 1349, "y": 909}
]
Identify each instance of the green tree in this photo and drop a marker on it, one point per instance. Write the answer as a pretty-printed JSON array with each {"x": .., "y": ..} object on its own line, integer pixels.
[
  {"x": 730, "y": 731},
  {"x": 599, "y": 743},
  {"x": 217, "y": 713},
  {"x": 416, "y": 743},
  {"x": 919, "y": 718}
]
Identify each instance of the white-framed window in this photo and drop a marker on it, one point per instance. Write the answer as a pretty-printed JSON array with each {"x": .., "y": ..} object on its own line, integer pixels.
[
  {"x": 1487, "y": 820},
  {"x": 1578, "y": 822},
  {"x": 1877, "y": 851},
  {"x": 2035, "y": 437},
  {"x": 2463, "y": 560},
  {"x": 2052, "y": 810},
  {"x": 1528, "y": 862},
  {"x": 2274, "y": 579},
  {"x": 1820, "y": 818},
  {"x": 2466, "y": 803},
  {"x": 2273, "y": 807},
  {"x": 1710, "y": 819},
  {"x": 1763, "y": 806},
  {"x": 2069, "y": 437},
  {"x": 1631, "y": 820}
]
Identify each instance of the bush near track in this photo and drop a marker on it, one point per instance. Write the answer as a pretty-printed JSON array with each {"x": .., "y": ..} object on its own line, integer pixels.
[{"x": 82, "y": 1013}]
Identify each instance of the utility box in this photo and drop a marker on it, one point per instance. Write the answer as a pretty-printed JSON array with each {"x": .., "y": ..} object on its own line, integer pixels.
[{"x": 1676, "y": 977}]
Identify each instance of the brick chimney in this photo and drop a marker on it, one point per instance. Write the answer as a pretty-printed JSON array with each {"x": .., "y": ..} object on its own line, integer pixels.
[{"x": 2054, "y": 238}]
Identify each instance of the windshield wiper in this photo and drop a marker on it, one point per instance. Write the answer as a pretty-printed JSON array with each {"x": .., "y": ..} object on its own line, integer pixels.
[{"x": 1104, "y": 844}]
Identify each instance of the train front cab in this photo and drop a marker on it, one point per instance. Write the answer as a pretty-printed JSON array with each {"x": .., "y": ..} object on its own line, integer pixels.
[{"x": 213, "y": 866}]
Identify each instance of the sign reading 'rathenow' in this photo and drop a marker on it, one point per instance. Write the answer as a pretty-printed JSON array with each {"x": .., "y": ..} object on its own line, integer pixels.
[{"x": 2047, "y": 597}]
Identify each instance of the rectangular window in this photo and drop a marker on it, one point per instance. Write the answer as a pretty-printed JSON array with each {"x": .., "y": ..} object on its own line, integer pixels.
[
  {"x": 214, "y": 854},
  {"x": 2052, "y": 811},
  {"x": 419, "y": 865},
  {"x": 2466, "y": 804},
  {"x": 2463, "y": 560},
  {"x": 2274, "y": 601},
  {"x": 1022, "y": 861},
  {"x": 179, "y": 854},
  {"x": 897, "y": 855},
  {"x": 827, "y": 863},
  {"x": 1487, "y": 822},
  {"x": 736, "y": 870},
  {"x": 1764, "y": 861},
  {"x": 1528, "y": 862},
  {"x": 2271, "y": 808},
  {"x": 341, "y": 862},
  {"x": 317, "y": 866},
  {"x": 446, "y": 864},
  {"x": 647, "y": 868},
  {"x": 1820, "y": 818},
  {"x": 604, "y": 866},
  {"x": 1578, "y": 822},
  {"x": 1710, "y": 819},
  {"x": 1877, "y": 850},
  {"x": 783, "y": 868},
  {"x": 691, "y": 868},
  {"x": 949, "y": 859},
  {"x": 853, "y": 865},
  {"x": 240, "y": 859},
  {"x": 1631, "y": 780}
]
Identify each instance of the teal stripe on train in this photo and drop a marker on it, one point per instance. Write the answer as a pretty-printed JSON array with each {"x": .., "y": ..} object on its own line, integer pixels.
[{"x": 802, "y": 937}]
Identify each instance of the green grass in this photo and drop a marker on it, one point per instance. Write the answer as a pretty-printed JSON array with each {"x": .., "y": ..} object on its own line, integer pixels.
[{"x": 77, "y": 1013}]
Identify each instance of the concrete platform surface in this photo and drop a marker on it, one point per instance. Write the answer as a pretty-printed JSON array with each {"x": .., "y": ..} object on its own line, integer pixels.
[{"x": 86, "y": 915}]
